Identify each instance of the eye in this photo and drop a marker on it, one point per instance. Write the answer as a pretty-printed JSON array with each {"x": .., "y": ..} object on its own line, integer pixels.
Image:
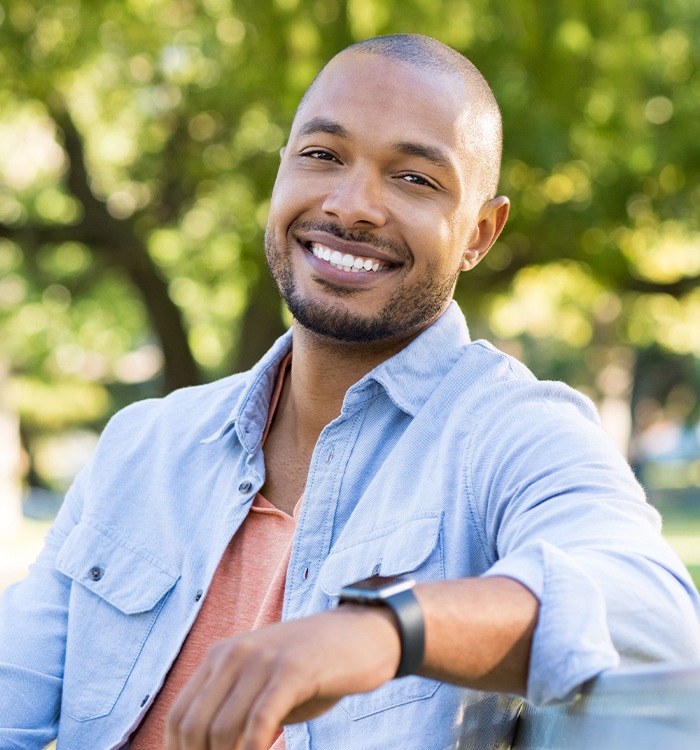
[
  {"x": 416, "y": 179},
  {"x": 319, "y": 154}
]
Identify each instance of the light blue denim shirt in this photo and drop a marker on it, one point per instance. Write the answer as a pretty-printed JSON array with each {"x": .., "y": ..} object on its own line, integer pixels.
[{"x": 450, "y": 459}]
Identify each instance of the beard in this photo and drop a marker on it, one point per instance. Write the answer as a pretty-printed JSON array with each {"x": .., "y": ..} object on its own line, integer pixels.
[{"x": 410, "y": 309}]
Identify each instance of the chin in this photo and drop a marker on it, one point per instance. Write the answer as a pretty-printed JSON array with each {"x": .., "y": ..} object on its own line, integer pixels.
[{"x": 334, "y": 322}]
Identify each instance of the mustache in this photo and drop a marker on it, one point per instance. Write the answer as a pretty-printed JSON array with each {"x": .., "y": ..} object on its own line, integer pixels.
[{"x": 399, "y": 250}]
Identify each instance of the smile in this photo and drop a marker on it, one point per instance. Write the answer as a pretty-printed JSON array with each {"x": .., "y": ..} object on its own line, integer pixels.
[{"x": 346, "y": 262}]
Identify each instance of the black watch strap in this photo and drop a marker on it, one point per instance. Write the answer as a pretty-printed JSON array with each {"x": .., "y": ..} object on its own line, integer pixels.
[
  {"x": 409, "y": 618},
  {"x": 397, "y": 594}
]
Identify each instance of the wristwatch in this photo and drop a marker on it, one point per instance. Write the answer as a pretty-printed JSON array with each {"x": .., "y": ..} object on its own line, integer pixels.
[{"x": 396, "y": 593}]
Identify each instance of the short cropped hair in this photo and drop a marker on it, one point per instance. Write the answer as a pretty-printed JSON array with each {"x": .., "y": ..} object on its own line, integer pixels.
[{"x": 485, "y": 125}]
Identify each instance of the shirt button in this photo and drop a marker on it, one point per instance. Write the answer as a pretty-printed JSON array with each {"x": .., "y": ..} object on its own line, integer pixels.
[
  {"x": 329, "y": 457},
  {"x": 198, "y": 595},
  {"x": 245, "y": 486},
  {"x": 96, "y": 573}
]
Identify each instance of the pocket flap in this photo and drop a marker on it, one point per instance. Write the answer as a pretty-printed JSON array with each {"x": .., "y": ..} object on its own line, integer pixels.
[
  {"x": 390, "y": 551},
  {"x": 130, "y": 580}
]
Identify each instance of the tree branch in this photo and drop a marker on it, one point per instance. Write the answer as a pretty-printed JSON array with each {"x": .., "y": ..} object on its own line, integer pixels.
[
  {"x": 677, "y": 289},
  {"x": 122, "y": 247}
]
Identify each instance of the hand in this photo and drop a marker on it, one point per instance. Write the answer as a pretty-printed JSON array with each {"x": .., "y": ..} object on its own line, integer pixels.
[{"x": 248, "y": 686}]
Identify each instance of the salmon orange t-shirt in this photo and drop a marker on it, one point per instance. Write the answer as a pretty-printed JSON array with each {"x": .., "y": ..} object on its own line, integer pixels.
[{"x": 246, "y": 593}]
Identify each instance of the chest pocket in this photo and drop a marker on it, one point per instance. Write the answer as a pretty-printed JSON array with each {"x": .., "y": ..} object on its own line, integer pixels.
[
  {"x": 116, "y": 596},
  {"x": 413, "y": 548}
]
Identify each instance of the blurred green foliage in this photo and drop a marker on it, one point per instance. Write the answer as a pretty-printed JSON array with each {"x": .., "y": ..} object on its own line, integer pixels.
[{"x": 138, "y": 146}]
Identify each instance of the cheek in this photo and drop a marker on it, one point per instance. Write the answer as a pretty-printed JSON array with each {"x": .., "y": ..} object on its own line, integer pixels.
[
  {"x": 294, "y": 190},
  {"x": 283, "y": 195},
  {"x": 445, "y": 245},
  {"x": 278, "y": 202}
]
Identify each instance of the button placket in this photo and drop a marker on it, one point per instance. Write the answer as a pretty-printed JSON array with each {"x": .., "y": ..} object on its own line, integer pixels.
[{"x": 321, "y": 495}]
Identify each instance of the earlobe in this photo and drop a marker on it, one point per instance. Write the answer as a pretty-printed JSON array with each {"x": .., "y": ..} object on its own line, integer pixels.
[{"x": 491, "y": 220}]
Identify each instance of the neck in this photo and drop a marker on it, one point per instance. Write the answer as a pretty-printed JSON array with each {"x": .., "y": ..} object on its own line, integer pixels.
[{"x": 322, "y": 372}]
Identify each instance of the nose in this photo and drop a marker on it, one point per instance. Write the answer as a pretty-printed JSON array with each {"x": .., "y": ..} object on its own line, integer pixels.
[{"x": 357, "y": 197}]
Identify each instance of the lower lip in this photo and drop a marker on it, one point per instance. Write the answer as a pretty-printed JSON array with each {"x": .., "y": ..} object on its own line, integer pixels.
[{"x": 347, "y": 278}]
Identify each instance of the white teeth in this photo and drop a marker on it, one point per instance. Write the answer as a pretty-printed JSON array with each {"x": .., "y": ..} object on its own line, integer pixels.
[{"x": 345, "y": 262}]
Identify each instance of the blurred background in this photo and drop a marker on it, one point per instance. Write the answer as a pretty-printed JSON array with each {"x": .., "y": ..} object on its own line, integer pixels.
[{"x": 138, "y": 146}]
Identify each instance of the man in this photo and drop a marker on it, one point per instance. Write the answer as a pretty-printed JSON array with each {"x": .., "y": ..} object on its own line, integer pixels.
[{"x": 373, "y": 439}]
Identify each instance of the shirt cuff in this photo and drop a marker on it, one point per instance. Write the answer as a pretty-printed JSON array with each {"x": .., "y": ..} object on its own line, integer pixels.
[{"x": 571, "y": 643}]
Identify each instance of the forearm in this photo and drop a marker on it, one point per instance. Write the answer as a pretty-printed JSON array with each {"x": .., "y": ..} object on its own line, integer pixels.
[{"x": 478, "y": 632}]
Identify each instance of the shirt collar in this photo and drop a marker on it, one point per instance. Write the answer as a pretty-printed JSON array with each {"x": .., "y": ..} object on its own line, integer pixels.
[
  {"x": 408, "y": 377},
  {"x": 249, "y": 416}
]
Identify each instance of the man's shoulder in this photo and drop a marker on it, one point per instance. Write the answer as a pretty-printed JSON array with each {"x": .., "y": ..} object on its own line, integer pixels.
[
  {"x": 197, "y": 409},
  {"x": 494, "y": 380},
  {"x": 495, "y": 364}
]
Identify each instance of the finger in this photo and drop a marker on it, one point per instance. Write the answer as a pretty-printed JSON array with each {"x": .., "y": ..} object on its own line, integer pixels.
[
  {"x": 228, "y": 725},
  {"x": 288, "y": 697},
  {"x": 192, "y": 714},
  {"x": 266, "y": 715},
  {"x": 181, "y": 705}
]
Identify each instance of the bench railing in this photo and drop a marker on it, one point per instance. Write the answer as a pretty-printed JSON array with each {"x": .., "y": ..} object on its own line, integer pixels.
[{"x": 644, "y": 708}]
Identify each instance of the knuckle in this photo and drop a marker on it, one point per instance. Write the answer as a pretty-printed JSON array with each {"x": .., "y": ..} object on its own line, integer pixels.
[
  {"x": 258, "y": 718},
  {"x": 221, "y": 734},
  {"x": 288, "y": 662},
  {"x": 190, "y": 730},
  {"x": 217, "y": 649},
  {"x": 174, "y": 717}
]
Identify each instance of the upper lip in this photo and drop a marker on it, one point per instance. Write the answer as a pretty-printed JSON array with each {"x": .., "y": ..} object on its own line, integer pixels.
[{"x": 363, "y": 249}]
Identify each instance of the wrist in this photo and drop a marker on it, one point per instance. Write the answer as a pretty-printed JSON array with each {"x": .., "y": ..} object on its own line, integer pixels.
[
  {"x": 393, "y": 596},
  {"x": 379, "y": 630}
]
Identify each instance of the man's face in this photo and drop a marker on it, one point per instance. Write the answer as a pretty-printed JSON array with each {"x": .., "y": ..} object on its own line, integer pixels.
[{"x": 374, "y": 203}]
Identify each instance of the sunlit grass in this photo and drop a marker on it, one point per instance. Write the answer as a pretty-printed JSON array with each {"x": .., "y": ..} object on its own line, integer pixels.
[
  {"x": 683, "y": 533},
  {"x": 18, "y": 551}
]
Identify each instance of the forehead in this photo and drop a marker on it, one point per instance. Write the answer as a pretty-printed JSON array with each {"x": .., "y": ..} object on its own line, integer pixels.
[{"x": 389, "y": 100}]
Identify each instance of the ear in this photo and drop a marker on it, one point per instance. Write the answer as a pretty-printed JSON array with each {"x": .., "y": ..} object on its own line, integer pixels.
[
  {"x": 282, "y": 150},
  {"x": 490, "y": 222}
]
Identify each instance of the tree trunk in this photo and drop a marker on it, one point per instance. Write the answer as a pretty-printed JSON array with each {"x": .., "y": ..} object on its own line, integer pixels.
[
  {"x": 261, "y": 324},
  {"x": 122, "y": 247}
]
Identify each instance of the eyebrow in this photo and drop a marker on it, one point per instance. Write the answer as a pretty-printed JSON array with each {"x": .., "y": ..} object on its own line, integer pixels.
[
  {"x": 323, "y": 125},
  {"x": 434, "y": 155}
]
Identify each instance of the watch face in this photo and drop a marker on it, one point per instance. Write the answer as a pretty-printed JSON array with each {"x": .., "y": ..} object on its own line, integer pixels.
[{"x": 376, "y": 588}]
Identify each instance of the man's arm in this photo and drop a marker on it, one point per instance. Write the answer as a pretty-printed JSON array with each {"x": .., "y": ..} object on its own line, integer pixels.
[
  {"x": 33, "y": 622},
  {"x": 478, "y": 634}
]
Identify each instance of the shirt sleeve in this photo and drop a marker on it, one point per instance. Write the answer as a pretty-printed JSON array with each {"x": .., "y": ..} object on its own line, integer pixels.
[
  {"x": 563, "y": 514},
  {"x": 33, "y": 623}
]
